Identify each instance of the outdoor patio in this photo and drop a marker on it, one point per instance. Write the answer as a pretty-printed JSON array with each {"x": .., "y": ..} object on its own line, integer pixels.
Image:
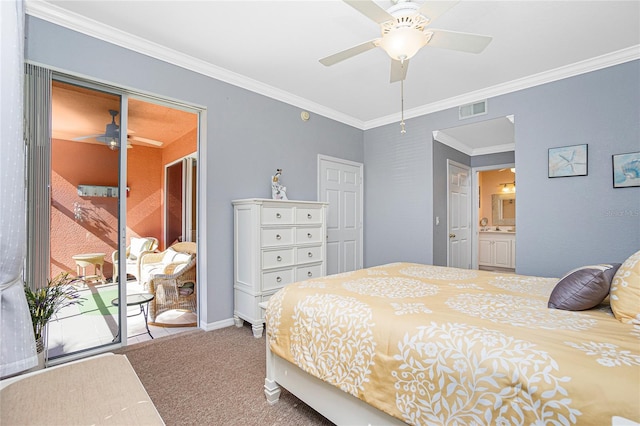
[{"x": 94, "y": 323}]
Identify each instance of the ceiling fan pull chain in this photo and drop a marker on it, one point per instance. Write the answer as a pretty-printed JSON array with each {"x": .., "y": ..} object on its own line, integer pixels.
[{"x": 402, "y": 129}]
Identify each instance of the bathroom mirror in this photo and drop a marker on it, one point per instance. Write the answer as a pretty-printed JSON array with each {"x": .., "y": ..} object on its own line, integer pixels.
[{"x": 503, "y": 208}]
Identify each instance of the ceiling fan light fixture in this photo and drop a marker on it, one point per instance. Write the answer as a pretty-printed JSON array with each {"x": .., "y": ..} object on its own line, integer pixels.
[
  {"x": 113, "y": 144},
  {"x": 402, "y": 44}
]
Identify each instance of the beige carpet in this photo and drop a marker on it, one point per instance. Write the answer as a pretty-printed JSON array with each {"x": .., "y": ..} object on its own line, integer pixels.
[{"x": 213, "y": 378}]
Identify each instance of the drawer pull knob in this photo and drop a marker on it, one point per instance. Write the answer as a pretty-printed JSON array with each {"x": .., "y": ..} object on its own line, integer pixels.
[
  {"x": 309, "y": 235},
  {"x": 279, "y": 258},
  {"x": 278, "y": 237},
  {"x": 309, "y": 274},
  {"x": 309, "y": 216},
  {"x": 278, "y": 215},
  {"x": 310, "y": 254},
  {"x": 278, "y": 279}
]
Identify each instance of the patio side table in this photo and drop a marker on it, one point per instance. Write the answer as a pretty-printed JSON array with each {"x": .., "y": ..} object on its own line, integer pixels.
[
  {"x": 139, "y": 299},
  {"x": 89, "y": 259}
]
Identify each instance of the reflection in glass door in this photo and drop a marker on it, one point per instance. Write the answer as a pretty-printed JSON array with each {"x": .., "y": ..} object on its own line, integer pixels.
[
  {"x": 84, "y": 217},
  {"x": 173, "y": 203},
  {"x": 181, "y": 190}
]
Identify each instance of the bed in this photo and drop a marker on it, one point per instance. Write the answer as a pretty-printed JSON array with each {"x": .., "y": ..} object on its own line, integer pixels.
[{"x": 420, "y": 344}]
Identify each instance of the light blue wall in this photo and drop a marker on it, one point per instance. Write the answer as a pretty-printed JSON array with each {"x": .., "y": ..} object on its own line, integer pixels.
[
  {"x": 248, "y": 136},
  {"x": 562, "y": 223}
]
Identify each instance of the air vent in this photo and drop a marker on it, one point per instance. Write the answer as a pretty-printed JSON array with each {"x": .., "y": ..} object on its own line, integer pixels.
[{"x": 472, "y": 110}]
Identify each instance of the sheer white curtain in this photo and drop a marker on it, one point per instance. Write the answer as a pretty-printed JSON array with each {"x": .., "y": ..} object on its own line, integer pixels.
[{"x": 17, "y": 344}]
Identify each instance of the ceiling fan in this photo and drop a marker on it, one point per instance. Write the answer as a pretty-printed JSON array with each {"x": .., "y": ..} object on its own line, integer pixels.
[
  {"x": 111, "y": 135},
  {"x": 405, "y": 30}
]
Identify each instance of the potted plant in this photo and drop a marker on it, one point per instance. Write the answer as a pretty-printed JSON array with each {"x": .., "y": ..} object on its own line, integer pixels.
[{"x": 47, "y": 301}]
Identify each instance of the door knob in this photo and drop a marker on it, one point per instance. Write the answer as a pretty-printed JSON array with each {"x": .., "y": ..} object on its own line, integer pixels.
[{"x": 452, "y": 235}]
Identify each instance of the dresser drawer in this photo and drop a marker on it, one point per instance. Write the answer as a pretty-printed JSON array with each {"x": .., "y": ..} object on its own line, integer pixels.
[
  {"x": 309, "y": 254},
  {"x": 308, "y": 272},
  {"x": 308, "y": 215},
  {"x": 276, "y": 279},
  {"x": 309, "y": 235},
  {"x": 277, "y": 258},
  {"x": 276, "y": 215},
  {"x": 277, "y": 237}
]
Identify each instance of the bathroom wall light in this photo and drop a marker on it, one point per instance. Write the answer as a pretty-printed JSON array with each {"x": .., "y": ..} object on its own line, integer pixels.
[{"x": 508, "y": 187}]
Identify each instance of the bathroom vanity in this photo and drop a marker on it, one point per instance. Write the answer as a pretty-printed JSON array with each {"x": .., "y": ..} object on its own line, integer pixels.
[{"x": 497, "y": 249}]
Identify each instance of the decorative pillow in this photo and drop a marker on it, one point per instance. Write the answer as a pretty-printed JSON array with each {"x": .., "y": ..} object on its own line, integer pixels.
[
  {"x": 181, "y": 257},
  {"x": 137, "y": 247},
  {"x": 583, "y": 288},
  {"x": 625, "y": 291},
  {"x": 168, "y": 256}
]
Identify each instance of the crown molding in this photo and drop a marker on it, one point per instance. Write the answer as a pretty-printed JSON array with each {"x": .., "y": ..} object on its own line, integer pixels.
[
  {"x": 582, "y": 67},
  {"x": 494, "y": 149},
  {"x": 451, "y": 142},
  {"x": 62, "y": 17},
  {"x": 454, "y": 143}
]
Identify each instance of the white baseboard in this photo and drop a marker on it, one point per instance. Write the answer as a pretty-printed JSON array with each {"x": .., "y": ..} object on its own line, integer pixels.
[{"x": 216, "y": 325}]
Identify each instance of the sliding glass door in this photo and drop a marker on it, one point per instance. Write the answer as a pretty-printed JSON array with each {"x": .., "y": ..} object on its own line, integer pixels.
[
  {"x": 80, "y": 228},
  {"x": 85, "y": 216},
  {"x": 96, "y": 193}
]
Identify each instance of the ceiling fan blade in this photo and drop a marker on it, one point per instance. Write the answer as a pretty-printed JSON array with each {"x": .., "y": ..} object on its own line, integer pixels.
[
  {"x": 145, "y": 140},
  {"x": 81, "y": 138},
  {"x": 371, "y": 10},
  {"x": 399, "y": 70},
  {"x": 464, "y": 42},
  {"x": 346, "y": 54},
  {"x": 434, "y": 9}
]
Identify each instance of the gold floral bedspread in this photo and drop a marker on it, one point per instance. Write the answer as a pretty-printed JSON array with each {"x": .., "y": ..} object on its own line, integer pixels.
[{"x": 435, "y": 345}]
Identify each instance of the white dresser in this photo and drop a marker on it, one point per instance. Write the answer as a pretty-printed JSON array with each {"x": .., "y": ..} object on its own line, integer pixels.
[{"x": 275, "y": 243}]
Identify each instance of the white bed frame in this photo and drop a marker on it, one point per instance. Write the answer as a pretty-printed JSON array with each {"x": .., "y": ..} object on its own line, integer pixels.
[{"x": 334, "y": 404}]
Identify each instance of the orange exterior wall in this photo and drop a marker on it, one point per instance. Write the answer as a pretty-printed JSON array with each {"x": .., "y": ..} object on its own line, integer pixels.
[{"x": 90, "y": 224}]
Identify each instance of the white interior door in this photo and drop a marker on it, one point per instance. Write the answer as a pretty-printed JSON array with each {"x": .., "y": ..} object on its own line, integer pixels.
[
  {"x": 340, "y": 184},
  {"x": 459, "y": 213}
]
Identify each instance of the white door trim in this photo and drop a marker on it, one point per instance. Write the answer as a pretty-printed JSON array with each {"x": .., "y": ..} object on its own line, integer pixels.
[{"x": 360, "y": 166}]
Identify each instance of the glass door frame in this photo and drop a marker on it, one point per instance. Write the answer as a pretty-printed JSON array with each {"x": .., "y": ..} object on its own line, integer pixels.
[{"x": 121, "y": 337}]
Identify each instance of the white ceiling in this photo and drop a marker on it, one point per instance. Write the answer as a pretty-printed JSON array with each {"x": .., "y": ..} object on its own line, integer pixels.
[
  {"x": 483, "y": 137},
  {"x": 273, "y": 47}
]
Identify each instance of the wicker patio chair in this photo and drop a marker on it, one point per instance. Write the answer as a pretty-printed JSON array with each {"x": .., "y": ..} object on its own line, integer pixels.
[
  {"x": 135, "y": 251},
  {"x": 155, "y": 263},
  {"x": 176, "y": 288}
]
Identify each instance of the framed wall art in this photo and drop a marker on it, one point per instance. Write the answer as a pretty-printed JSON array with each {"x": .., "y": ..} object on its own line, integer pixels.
[
  {"x": 626, "y": 170},
  {"x": 568, "y": 161}
]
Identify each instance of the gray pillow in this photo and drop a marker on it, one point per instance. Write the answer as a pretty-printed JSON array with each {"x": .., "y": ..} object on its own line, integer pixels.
[{"x": 583, "y": 288}]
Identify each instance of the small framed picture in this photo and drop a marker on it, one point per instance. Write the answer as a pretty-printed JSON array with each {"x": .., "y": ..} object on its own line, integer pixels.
[
  {"x": 568, "y": 161},
  {"x": 626, "y": 170}
]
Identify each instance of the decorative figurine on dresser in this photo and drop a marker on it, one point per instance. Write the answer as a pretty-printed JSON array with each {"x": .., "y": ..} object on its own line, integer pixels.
[
  {"x": 276, "y": 242},
  {"x": 278, "y": 192}
]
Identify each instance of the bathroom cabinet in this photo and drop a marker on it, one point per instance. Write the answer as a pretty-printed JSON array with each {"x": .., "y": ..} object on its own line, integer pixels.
[{"x": 497, "y": 249}]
